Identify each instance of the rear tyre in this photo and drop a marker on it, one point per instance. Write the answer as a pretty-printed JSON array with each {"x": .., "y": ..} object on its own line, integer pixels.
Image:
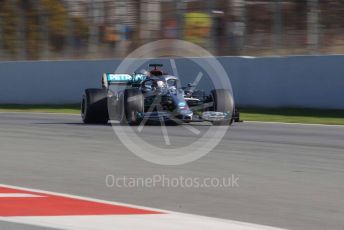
[
  {"x": 133, "y": 104},
  {"x": 236, "y": 115},
  {"x": 223, "y": 102},
  {"x": 94, "y": 106}
]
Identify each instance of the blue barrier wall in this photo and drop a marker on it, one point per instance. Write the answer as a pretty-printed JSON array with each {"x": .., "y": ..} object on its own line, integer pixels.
[{"x": 298, "y": 81}]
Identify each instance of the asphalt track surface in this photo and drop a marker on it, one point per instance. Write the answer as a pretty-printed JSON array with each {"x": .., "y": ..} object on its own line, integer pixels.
[{"x": 290, "y": 176}]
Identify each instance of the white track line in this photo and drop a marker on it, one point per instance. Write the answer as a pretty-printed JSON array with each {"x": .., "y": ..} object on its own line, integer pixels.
[
  {"x": 253, "y": 122},
  {"x": 167, "y": 221},
  {"x": 132, "y": 222},
  {"x": 37, "y": 113},
  {"x": 291, "y": 123}
]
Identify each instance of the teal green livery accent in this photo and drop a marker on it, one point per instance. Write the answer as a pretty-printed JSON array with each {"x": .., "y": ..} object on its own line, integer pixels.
[{"x": 125, "y": 78}]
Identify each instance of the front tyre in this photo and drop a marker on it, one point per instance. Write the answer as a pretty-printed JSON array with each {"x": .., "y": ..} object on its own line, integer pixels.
[
  {"x": 223, "y": 102},
  {"x": 133, "y": 104},
  {"x": 94, "y": 106}
]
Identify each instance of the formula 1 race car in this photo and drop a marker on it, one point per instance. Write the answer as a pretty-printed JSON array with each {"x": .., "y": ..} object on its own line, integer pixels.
[{"x": 155, "y": 96}]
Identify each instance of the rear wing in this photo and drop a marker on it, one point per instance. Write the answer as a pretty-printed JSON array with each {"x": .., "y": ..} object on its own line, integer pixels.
[{"x": 115, "y": 79}]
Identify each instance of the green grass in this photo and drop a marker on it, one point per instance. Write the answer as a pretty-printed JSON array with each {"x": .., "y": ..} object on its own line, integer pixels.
[
  {"x": 290, "y": 115},
  {"x": 293, "y": 115},
  {"x": 70, "y": 109}
]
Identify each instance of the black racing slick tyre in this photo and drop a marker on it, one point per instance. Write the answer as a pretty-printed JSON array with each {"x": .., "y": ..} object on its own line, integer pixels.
[
  {"x": 223, "y": 102},
  {"x": 133, "y": 104},
  {"x": 94, "y": 106},
  {"x": 236, "y": 115}
]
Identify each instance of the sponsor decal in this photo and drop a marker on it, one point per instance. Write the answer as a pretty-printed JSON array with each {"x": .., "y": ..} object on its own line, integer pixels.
[
  {"x": 182, "y": 104},
  {"x": 119, "y": 77}
]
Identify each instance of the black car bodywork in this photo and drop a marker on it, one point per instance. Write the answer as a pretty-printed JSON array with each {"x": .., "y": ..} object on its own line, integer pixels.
[{"x": 155, "y": 96}]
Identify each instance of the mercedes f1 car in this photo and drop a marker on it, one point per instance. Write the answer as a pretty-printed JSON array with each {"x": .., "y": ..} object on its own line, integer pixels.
[{"x": 155, "y": 96}]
